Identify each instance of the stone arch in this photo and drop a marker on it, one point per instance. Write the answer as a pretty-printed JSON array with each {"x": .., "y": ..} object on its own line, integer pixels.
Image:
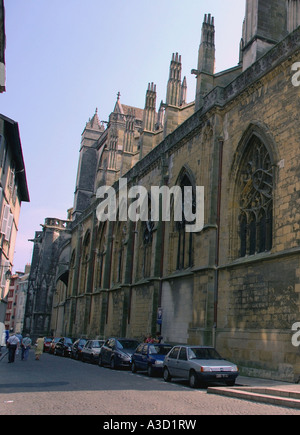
[{"x": 253, "y": 178}]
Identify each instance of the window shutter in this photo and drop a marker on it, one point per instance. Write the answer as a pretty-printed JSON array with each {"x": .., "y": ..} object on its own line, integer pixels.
[
  {"x": 9, "y": 226},
  {"x": 4, "y": 268},
  {"x": 5, "y": 217}
]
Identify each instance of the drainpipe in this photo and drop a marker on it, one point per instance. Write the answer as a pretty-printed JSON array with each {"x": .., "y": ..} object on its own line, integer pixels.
[{"x": 217, "y": 252}]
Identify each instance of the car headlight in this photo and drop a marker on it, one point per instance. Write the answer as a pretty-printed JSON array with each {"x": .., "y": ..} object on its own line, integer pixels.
[
  {"x": 204, "y": 369},
  {"x": 158, "y": 363},
  {"x": 123, "y": 356}
]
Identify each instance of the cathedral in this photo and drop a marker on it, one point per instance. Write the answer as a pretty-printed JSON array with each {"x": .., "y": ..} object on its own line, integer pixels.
[{"x": 234, "y": 284}]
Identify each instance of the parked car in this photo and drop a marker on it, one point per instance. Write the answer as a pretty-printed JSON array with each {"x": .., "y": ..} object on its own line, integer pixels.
[
  {"x": 52, "y": 345},
  {"x": 117, "y": 352},
  {"x": 91, "y": 350},
  {"x": 76, "y": 349},
  {"x": 150, "y": 357},
  {"x": 63, "y": 346},
  {"x": 47, "y": 344},
  {"x": 198, "y": 364}
]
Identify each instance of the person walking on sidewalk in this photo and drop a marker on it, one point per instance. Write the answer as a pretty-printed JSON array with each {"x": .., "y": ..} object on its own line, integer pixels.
[
  {"x": 39, "y": 347},
  {"x": 25, "y": 346},
  {"x": 12, "y": 343}
]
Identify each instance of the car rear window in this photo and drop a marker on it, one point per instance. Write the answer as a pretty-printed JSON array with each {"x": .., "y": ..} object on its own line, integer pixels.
[
  {"x": 159, "y": 350},
  {"x": 127, "y": 344}
]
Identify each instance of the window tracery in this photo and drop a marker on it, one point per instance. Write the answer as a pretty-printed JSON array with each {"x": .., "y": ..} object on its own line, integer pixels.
[{"x": 256, "y": 200}]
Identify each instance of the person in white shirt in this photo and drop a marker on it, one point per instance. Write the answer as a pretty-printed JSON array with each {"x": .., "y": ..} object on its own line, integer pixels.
[
  {"x": 25, "y": 346},
  {"x": 12, "y": 343}
]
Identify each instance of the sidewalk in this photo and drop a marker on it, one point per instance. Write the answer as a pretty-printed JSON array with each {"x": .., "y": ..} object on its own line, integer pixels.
[{"x": 262, "y": 390}]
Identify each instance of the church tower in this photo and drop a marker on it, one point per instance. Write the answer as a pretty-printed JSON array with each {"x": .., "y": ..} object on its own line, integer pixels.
[
  {"x": 87, "y": 165},
  {"x": 264, "y": 26}
]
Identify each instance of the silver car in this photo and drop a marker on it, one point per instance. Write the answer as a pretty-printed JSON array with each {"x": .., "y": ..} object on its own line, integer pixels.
[
  {"x": 91, "y": 350},
  {"x": 199, "y": 365}
]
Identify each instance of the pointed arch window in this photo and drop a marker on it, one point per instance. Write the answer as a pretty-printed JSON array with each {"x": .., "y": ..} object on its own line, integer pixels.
[
  {"x": 256, "y": 200},
  {"x": 100, "y": 255},
  {"x": 113, "y": 152},
  {"x": 148, "y": 228},
  {"x": 71, "y": 275},
  {"x": 185, "y": 239},
  {"x": 85, "y": 263}
]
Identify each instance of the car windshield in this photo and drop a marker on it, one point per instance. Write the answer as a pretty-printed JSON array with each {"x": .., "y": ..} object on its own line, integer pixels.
[
  {"x": 127, "y": 344},
  {"x": 159, "y": 350},
  {"x": 203, "y": 353},
  {"x": 68, "y": 340}
]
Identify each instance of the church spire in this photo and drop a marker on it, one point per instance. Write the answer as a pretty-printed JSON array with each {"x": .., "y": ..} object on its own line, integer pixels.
[
  {"x": 174, "y": 83},
  {"x": 150, "y": 108},
  {"x": 207, "y": 49},
  {"x": 183, "y": 92},
  {"x": 118, "y": 106},
  {"x": 206, "y": 60},
  {"x": 95, "y": 123}
]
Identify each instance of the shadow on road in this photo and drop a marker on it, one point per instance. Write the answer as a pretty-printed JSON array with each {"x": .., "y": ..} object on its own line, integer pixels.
[{"x": 53, "y": 373}]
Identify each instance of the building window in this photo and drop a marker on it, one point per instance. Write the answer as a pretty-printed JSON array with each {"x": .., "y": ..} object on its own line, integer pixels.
[
  {"x": 148, "y": 228},
  {"x": 256, "y": 200},
  {"x": 71, "y": 275},
  {"x": 84, "y": 264},
  {"x": 185, "y": 239},
  {"x": 100, "y": 256}
]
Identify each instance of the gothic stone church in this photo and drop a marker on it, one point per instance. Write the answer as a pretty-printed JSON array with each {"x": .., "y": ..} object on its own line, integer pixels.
[{"x": 236, "y": 283}]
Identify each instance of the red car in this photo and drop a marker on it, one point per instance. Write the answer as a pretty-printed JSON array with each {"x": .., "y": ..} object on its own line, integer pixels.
[
  {"x": 47, "y": 344},
  {"x": 53, "y": 343}
]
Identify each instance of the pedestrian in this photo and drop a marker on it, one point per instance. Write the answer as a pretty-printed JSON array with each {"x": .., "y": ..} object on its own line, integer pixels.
[
  {"x": 20, "y": 337},
  {"x": 39, "y": 348},
  {"x": 13, "y": 344},
  {"x": 149, "y": 339},
  {"x": 25, "y": 346},
  {"x": 158, "y": 338}
]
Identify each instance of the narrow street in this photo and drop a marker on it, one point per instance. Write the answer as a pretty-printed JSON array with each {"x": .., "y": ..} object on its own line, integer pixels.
[{"x": 62, "y": 386}]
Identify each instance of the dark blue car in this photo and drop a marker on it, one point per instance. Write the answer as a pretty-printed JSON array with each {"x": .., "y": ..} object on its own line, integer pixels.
[{"x": 150, "y": 357}]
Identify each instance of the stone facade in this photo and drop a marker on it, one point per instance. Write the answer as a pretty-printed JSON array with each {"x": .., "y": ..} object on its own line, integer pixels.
[
  {"x": 49, "y": 262},
  {"x": 234, "y": 284}
]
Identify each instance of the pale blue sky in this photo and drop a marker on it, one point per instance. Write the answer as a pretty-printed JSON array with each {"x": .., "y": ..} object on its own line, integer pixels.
[{"x": 64, "y": 58}]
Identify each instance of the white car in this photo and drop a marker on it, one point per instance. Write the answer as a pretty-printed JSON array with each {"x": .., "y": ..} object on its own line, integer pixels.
[{"x": 199, "y": 365}]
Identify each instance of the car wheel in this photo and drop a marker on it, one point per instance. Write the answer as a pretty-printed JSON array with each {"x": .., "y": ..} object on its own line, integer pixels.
[
  {"x": 193, "y": 379},
  {"x": 167, "y": 376},
  {"x": 133, "y": 367},
  {"x": 150, "y": 371}
]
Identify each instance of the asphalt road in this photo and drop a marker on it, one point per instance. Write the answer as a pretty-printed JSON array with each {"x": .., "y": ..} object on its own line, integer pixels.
[{"x": 61, "y": 386}]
